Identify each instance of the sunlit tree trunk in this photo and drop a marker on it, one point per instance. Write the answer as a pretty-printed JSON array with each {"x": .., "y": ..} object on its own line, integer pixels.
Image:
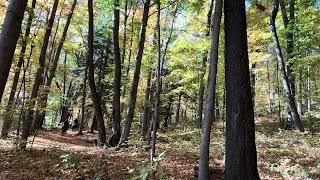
[
  {"x": 136, "y": 76},
  {"x": 286, "y": 84},
  {"x": 209, "y": 115}
]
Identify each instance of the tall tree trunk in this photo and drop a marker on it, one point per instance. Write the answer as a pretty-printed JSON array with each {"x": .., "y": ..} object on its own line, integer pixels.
[
  {"x": 43, "y": 100},
  {"x": 8, "y": 114},
  {"x": 96, "y": 99},
  {"x": 136, "y": 76},
  {"x": 241, "y": 154},
  {"x": 116, "y": 128},
  {"x": 126, "y": 15},
  {"x": 201, "y": 92},
  {"x": 286, "y": 84},
  {"x": 38, "y": 78},
  {"x": 210, "y": 100},
  {"x": 269, "y": 89},
  {"x": 84, "y": 95},
  {"x": 158, "y": 76},
  {"x": 146, "y": 108},
  {"x": 8, "y": 38}
]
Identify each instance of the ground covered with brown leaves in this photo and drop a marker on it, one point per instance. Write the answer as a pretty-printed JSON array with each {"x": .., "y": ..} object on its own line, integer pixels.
[{"x": 282, "y": 154}]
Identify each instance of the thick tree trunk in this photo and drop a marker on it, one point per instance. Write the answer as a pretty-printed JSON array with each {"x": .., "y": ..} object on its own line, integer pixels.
[
  {"x": 96, "y": 99},
  {"x": 8, "y": 38},
  {"x": 116, "y": 128},
  {"x": 241, "y": 154},
  {"x": 38, "y": 77},
  {"x": 136, "y": 76},
  {"x": 210, "y": 100},
  {"x": 8, "y": 114},
  {"x": 286, "y": 84},
  {"x": 43, "y": 100}
]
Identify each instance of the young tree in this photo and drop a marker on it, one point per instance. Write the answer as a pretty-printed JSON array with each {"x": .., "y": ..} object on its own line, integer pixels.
[
  {"x": 136, "y": 76},
  {"x": 8, "y": 38},
  {"x": 8, "y": 114},
  {"x": 241, "y": 155},
  {"x": 210, "y": 101},
  {"x": 116, "y": 114},
  {"x": 158, "y": 74},
  {"x": 94, "y": 95},
  {"x": 286, "y": 82}
]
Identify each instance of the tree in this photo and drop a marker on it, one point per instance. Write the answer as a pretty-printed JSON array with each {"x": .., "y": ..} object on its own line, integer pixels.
[
  {"x": 38, "y": 78},
  {"x": 209, "y": 115},
  {"x": 94, "y": 95},
  {"x": 286, "y": 82},
  {"x": 8, "y": 114},
  {"x": 241, "y": 155},
  {"x": 136, "y": 76},
  {"x": 158, "y": 75},
  {"x": 116, "y": 114},
  {"x": 8, "y": 38}
]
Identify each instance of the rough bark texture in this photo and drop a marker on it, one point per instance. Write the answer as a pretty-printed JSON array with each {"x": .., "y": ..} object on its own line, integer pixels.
[
  {"x": 96, "y": 99},
  {"x": 38, "y": 77},
  {"x": 83, "y": 103},
  {"x": 241, "y": 155},
  {"x": 116, "y": 115},
  {"x": 136, "y": 76},
  {"x": 286, "y": 83},
  {"x": 8, "y": 114},
  {"x": 210, "y": 100}
]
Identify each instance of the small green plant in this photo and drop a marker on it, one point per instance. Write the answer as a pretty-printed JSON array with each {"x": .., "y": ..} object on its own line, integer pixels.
[{"x": 70, "y": 161}]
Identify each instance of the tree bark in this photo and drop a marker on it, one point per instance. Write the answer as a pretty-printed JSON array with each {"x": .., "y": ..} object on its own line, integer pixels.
[
  {"x": 146, "y": 108},
  {"x": 209, "y": 115},
  {"x": 84, "y": 95},
  {"x": 136, "y": 76},
  {"x": 201, "y": 92},
  {"x": 286, "y": 84},
  {"x": 241, "y": 155},
  {"x": 9, "y": 36},
  {"x": 116, "y": 128},
  {"x": 96, "y": 99},
  {"x": 8, "y": 114},
  {"x": 178, "y": 108},
  {"x": 158, "y": 76},
  {"x": 38, "y": 78}
]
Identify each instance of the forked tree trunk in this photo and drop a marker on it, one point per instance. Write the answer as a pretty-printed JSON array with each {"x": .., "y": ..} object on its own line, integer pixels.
[
  {"x": 8, "y": 114},
  {"x": 38, "y": 78},
  {"x": 96, "y": 99},
  {"x": 210, "y": 100},
  {"x": 9, "y": 36},
  {"x": 136, "y": 76},
  {"x": 241, "y": 154},
  {"x": 286, "y": 84}
]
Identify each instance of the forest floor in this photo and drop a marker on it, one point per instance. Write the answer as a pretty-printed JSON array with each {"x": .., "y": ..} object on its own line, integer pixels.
[{"x": 282, "y": 154}]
